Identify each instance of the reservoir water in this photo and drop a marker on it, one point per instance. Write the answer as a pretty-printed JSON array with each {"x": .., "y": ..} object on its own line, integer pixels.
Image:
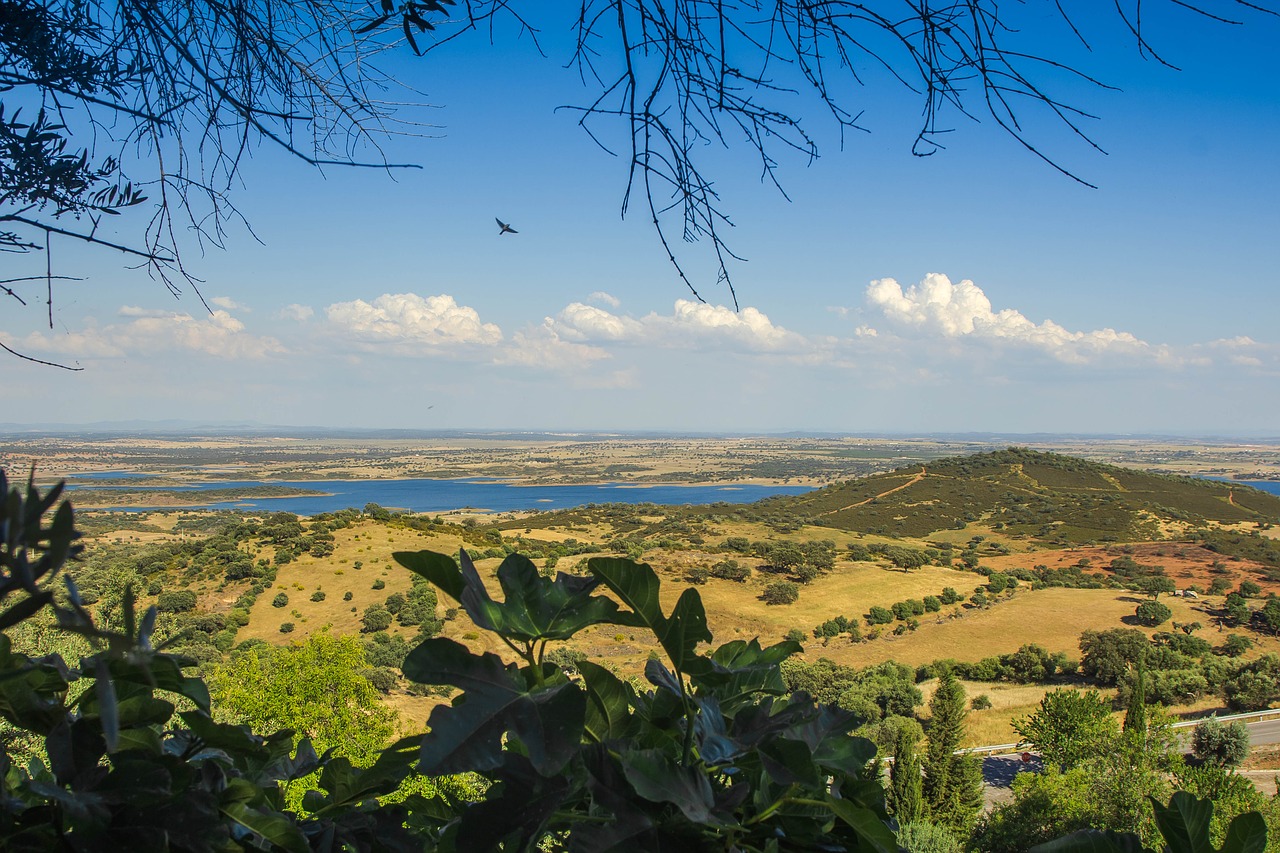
[
  {"x": 424, "y": 495},
  {"x": 1270, "y": 486}
]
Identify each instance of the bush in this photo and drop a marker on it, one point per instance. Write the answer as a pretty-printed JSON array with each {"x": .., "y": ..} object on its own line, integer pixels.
[
  {"x": 697, "y": 575},
  {"x": 781, "y": 592},
  {"x": 1222, "y": 745},
  {"x": 981, "y": 702},
  {"x": 879, "y": 616},
  {"x": 318, "y": 595},
  {"x": 1236, "y": 645},
  {"x": 1153, "y": 613},
  {"x": 382, "y": 678},
  {"x": 731, "y": 570},
  {"x": 178, "y": 601},
  {"x": 932, "y": 604},
  {"x": 566, "y": 658},
  {"x": 286, "y": 627},
  {"x": 379, "y": 584},
  {"x": 281, "y": 600},
  {"x": 925, "y": 837},
  {"x": 376, "y": 618},
  {"x": 346, "y": 596}
]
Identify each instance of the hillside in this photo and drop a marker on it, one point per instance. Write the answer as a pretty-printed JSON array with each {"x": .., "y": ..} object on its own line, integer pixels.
[{"x": 1044, "y": 496}]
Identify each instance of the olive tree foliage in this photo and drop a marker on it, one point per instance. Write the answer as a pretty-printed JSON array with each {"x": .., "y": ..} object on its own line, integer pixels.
[
  {"x": 153, "y": 105},
  {"x": 1220, "y": 744},
  {"x": 112, "y": 105}
]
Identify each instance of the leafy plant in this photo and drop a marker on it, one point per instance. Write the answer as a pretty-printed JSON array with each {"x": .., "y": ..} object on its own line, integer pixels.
[
  {"x": 1184, "y": 825},
  {"x": 121, "y": 768},
  {"x": 717, "y": 754}
]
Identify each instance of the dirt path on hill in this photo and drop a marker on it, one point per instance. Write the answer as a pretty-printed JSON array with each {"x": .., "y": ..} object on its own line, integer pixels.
[{"x": 917, "y": 478}]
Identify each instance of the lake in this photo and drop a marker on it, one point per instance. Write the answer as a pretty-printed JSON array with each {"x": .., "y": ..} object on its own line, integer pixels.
[
  {"x": 1270, "y": 486},
  {"x": 425, "y": 495}
]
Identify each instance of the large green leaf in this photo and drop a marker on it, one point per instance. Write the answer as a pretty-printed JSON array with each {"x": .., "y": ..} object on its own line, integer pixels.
[
  {"x": 275, "y": 828},
  {"x": 638, "y": 587},
  {"x": 740, "y": 670},
  {"x": 1246, "y": 834},
  {"x": 659, "y": 779},
  {"x": 516, "y": 810},
  {"x": 440, "y": 569},
  {"x": 866, "y": 823},
  {"x": 497, "y": 699},
  {"x": 1184, "y": 823},
  {"x": 608, "y": 702},
  {"x": 534, "y": 607}
]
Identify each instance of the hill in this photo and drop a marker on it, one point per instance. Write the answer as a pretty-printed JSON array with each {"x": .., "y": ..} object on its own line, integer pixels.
[{"x": 1045, "y": 496}]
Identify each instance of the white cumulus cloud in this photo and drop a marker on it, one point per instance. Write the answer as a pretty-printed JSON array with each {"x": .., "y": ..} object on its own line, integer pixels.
[
  {"x": 689, "y": 325},
  {"x": 961, "y": 310},
  {"x": 146, "y": 332},
  {"x": 411, "y": 323},
  {"x": 545, "y": 348}
]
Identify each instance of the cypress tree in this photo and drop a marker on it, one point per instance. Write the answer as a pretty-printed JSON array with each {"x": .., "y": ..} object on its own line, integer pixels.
[
  {"x": 952, "y": 785},
  {"x": 904, "y": 795}
]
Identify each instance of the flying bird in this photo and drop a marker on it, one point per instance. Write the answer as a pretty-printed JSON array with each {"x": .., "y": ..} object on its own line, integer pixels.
[{"x": 506, "y": 229}]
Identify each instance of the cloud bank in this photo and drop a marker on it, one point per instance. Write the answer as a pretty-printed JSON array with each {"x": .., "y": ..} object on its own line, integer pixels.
[{"x": 962, "y": 310}]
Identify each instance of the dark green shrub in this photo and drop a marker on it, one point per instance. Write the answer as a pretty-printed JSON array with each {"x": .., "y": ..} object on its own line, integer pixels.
[
  {"x": 286, "y": 627},
  {"x": 731, "y": 570},
  {"x": 780, "y": 592},
  {"x": 879, "y": 616},
  {"x": 376, "y": 618},
  {"x": 281, "y": 600},
  {"x": 318, "y": 595},
  {"x": 178, "y": 601}
]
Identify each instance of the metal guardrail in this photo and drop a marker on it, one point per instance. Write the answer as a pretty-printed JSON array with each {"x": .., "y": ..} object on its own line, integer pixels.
[{"x": 1002, "y": 748}]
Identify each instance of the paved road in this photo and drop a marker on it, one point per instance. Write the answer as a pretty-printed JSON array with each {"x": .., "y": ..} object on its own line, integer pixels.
[
  {"x": 999, "y": 771},
  {"x": 1267, "y": 731}
]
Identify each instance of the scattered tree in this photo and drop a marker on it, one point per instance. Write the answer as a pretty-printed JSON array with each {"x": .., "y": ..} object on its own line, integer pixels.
[
  {"x": 1152, "y": 613},
  {"x": 1069, "y": 727},
  {"x": 1220, "y": 744},
  {"x": 781, "y": 592}
]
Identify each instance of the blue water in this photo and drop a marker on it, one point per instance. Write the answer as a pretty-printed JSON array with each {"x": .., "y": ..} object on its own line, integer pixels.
[
  {"x": 1272, "y": 486},
  {"x": 442, "y": 495}
]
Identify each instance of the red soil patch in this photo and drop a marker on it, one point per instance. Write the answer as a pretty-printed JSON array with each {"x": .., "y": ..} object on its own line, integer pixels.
[{"x": 1187, "y": 563}]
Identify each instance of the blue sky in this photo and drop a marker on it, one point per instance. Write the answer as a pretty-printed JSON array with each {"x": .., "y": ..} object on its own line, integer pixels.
[{"x": 977, "y": 289}]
